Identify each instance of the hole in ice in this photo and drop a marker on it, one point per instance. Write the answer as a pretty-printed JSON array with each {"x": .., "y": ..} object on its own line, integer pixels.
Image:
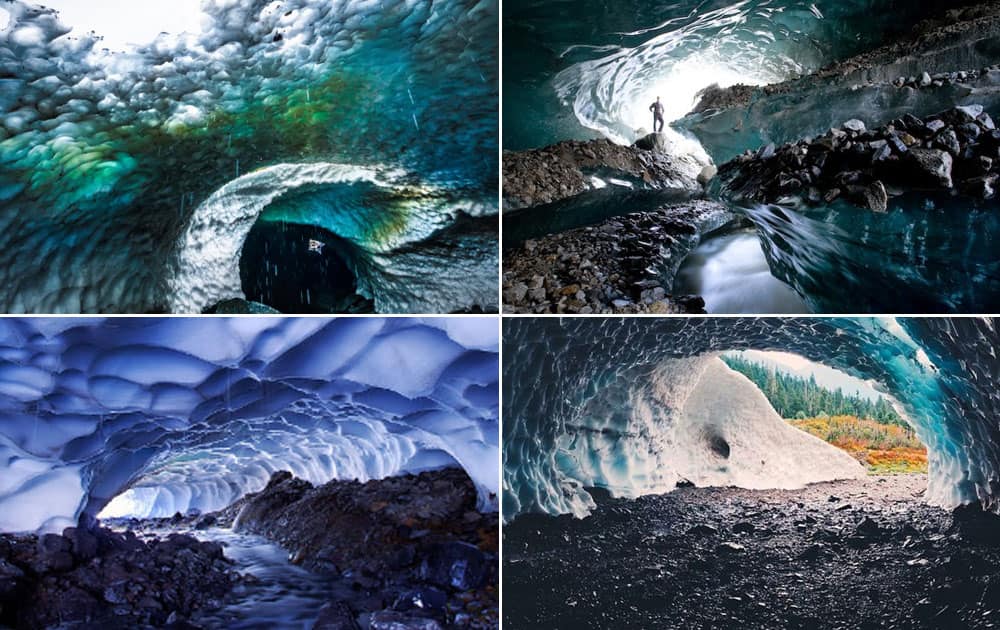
[
  {"x": 719, "y": 446},
  {"x": 300, "y": 269}
]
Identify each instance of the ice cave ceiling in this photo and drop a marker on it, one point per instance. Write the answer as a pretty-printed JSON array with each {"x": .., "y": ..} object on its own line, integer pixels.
[
  {"x": 635, "y": 404},
  {"x": 179, "y": 413},
  {"x": 137, "y": 174},
  {"x": 581, "y": 78}
]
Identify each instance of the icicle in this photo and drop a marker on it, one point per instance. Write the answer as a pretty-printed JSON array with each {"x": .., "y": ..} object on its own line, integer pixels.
[{"x": 415, "y": 124}]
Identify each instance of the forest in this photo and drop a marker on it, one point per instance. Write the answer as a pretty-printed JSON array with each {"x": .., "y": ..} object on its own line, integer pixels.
[{"x": 795, "y": 397}]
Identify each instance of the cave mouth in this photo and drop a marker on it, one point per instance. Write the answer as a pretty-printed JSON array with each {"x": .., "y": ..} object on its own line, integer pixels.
[
  {"x": 296, "y": 268},
  {"x": 843, "y": 411}
]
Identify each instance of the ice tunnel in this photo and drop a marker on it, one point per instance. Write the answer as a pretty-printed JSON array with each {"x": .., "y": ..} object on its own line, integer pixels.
[
  {"x": 636, "y": 404},
  {"x": 136, "y": 170},
  {"x": 599, "y": 75},
  {"x": 151, "y": 416}
]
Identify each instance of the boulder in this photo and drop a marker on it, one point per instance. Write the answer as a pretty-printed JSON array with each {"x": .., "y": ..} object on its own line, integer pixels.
[
  {"x": 930, "y": 166},
  {"x": 654, "y": 142},
  {"x": 854, "y": 125},
  {"x": 335, "y": 616},
  {"x": 54, "y": 553},
  {"x": 456, "y": 564},
  {"x": 392, "y": 620}
]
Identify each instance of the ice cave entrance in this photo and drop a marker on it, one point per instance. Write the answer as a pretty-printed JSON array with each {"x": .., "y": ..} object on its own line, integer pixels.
[
  {"x": 298, "y": 268},
  {"x": 126, "y": 24},
  {"x": 839, "y": 409}
]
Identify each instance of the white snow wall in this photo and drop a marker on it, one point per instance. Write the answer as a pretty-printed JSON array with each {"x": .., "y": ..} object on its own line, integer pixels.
[
  {"x": 633, "y": 404},
  {"x": 191, "y": 413}
]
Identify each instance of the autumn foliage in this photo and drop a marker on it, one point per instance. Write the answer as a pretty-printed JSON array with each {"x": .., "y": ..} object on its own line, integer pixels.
[{"x": 882, "y": 448}]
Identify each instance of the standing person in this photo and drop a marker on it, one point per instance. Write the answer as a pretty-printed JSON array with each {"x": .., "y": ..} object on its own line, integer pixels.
[{"x": 657, "y": 109}]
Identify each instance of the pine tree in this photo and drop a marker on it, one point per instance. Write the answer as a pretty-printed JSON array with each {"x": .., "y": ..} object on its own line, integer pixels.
[{"x": 797, "y": 397}]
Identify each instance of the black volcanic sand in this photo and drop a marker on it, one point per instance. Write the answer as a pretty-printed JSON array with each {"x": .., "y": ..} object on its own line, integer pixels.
[{"x": 850, "y": 554}]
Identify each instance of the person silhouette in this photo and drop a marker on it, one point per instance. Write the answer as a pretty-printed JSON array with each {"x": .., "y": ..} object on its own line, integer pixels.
[{"x": 657, "y": 109}]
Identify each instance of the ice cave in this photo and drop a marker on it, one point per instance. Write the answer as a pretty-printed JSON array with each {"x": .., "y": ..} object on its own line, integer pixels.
[
  {"x": 136, "y": 165},
  {"x": 797, "y": 120},
  {"x": 151, "y": 417},
  {"x": 636, "y": 405},
  {"x": 654, "y": 478}
]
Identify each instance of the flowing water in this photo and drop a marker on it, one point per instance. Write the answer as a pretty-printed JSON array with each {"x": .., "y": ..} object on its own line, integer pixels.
[
  {"x": 283, "y": 597},
  {"x": 731, "y": 273}
]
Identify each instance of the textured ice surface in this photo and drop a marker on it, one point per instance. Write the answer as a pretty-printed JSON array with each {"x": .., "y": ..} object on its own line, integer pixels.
[
  {"x": 148, "y": 417},
  {"x": 601, "y": 74},
  {"x": 135, "y": 174},
  {"x": 634, "y": 404}
]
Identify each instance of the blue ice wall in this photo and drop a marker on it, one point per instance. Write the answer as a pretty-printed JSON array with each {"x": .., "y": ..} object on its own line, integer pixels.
[
  {"x": 136, "y": 174},
  {"x": 566, "y": 378},
  {"x": 575, "y": 78},
  {"x": 174, "y": 414}
]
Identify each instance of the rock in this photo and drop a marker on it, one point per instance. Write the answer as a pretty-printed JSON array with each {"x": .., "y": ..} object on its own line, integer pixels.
[
  {"x": 702, "y": 530},
  {"x": 83, "y": 543},
  {"x": 11, "y": 581},
  {"x": 934, "y": 125},
  {"x": 654, "y": 142},
  {"x": 707, "y": 174},
  {"x": 925, "y": 79},
  {"x": 873, "y": 197},
  {"x": 392, "y": 620},
  {"x": 948, "y": 141},
  {"x": 868, "y": 527},
  {"x": 456, "y": 564},
  {"x": 854, "y": 125},
  {"x": 335, "y": 616},
  {"x": 691, "y": 303},
  {"x": 965, "y": 113},
  {"x": 743, "y": 527},
  {"x": 206, "y": 521},
  {"x": 729, "y": 547},
  {"x": 116, "y": 593},
  {"x": 426, "y": 598},
  {"x": 54, "y": 553},
  {"x": 983, "y": 187},
  {"x": 931, "y": 166}
]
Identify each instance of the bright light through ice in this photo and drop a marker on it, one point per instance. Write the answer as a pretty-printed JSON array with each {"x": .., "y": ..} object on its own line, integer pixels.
[
  {"x": 132, "y": 502},
  {"x": 4, "y": 18},
  {"x": 125, "y": 23},
  {"x": 680, "y": 85}
]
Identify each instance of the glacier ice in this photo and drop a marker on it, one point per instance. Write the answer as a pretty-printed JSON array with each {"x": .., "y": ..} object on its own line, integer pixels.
[
  {"x": 635, "y": 404},
  {"x": 137, "y": 173},
  {"x": 598, "y": 76},
  {"x": 148, "y": 417}
]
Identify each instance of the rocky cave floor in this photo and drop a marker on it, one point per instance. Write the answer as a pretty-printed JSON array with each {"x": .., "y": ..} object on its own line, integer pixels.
[
  {"x": 849, "y": 554},
  {"x": 410, "y": 552}
]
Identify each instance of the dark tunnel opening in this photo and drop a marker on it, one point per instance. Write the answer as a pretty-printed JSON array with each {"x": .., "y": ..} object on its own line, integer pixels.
[{"x": 296, "y": 268}]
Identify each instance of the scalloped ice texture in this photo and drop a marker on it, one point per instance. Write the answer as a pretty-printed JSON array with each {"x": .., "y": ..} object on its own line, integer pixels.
[
  {"x": 137, "y": 174},
  {"x": 635, "y": 404},
  {"x": 148, "y": 417}
]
